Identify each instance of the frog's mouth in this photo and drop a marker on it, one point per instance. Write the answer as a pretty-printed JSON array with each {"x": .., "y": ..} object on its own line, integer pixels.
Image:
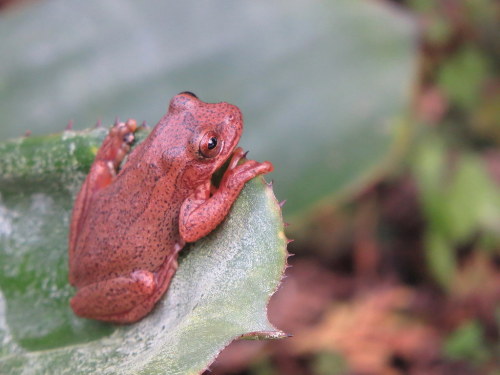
[{"x": 220, "y": 170}]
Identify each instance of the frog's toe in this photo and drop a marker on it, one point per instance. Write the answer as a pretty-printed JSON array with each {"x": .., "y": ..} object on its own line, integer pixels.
[
  {"x": 117, "y": 143},
  {"x": 238, "y": 154},
  {"x": 128, "y": 138},
  {"x": 252, "y": 168},
  {"x": 237, "y": 177},
  {"x": 124, "y": 130}
]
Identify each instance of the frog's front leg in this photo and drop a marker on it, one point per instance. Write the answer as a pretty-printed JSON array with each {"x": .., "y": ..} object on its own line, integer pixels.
[{"x": 202, "y": 212}]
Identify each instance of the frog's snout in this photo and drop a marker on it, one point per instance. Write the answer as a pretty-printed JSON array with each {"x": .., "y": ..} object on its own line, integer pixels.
[{"x": 234, "y": 117}]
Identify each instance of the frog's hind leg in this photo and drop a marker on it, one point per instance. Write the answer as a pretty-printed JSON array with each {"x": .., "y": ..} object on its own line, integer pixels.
[
  {"x": 102, "y": 173},
  {"x": 124, "y": 299},
  {"x": 114, "y": 296},
  {"x": 163, "y": 278}
]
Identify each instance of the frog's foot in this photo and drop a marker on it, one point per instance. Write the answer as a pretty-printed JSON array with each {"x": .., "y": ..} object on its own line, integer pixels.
[
  {"x": 111, "y": 153},
  {"x": 117, "y": 143},
  {"x": 114, "y": 296},
  {"x": 237, "y": 173}
]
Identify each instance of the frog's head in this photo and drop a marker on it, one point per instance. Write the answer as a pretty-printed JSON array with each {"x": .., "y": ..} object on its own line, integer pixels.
[{"x": 209, "y": 131}]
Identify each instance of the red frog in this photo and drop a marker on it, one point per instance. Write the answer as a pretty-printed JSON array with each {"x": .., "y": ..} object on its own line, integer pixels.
[{"x": 129, "y": 224}]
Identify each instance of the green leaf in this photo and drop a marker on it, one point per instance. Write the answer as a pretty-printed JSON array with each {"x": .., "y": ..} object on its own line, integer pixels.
[
  {"x": 462, "y": 77},
  {"x": 473, "y": 199},
  {"x": 467, "y": 342},
  {"x": 440, "y": 256},
  {"x": 219, "y": 292},
  {"x": 459, "y": 200},
  {"x": 320, "y": 83},
  {"x": 327, "y": 363}
]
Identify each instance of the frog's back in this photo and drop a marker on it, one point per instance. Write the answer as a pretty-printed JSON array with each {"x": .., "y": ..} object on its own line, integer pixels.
[{"x": 124, "y": 222}]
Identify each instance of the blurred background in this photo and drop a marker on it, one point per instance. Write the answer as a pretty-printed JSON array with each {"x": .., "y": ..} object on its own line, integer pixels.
[{"x": 382, "y": 119}]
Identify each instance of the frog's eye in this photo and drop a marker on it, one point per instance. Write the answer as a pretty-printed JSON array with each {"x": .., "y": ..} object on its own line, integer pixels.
[{"x": 210, "y": 145}]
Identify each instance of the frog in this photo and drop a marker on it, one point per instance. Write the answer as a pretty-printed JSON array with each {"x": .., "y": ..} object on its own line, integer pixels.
[{"x": 138, "y": 208}]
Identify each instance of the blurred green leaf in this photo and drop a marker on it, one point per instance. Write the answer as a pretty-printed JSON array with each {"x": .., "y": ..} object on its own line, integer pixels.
[
  {"x": 327, "y": 363},
  {"x": 440, "y": 255},
  {"x": 219, "y": 292},
  {"x": 424, "y": 6},
  {"x": 263, "y": 367},
  {"x": 319, "y": 83},
  {"x": 459, "y": 200},
  {"x": 473, "y": 199},
  {"x": 439, "y": 29},
  {"x": 463, "y": 76},
  {"x": 458, "y": 196},
  {"x": 467, "y": 343},
  {"x": 430, "y": 167}
]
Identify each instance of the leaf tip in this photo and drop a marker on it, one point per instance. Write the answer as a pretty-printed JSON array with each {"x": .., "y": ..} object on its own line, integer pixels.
[{"x": 265, "y": 335}]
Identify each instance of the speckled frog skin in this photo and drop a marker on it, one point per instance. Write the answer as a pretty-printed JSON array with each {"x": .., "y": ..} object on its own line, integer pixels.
[{"x": 129, "y": 225}]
